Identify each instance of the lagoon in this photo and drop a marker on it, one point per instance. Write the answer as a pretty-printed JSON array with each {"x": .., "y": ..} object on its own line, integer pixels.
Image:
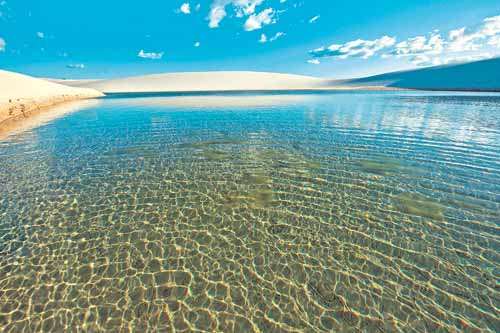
[{"x": 340, "y": 211}]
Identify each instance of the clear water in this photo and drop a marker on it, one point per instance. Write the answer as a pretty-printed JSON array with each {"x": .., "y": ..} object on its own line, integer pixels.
[{"x": 372, "y": 212}]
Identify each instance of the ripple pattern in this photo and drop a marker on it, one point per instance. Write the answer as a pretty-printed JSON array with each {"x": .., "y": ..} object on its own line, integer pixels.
[{"x": 340, "y": 213}]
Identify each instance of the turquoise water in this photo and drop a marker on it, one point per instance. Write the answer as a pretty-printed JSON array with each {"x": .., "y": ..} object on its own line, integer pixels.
[{"x": 371, "y": 212}]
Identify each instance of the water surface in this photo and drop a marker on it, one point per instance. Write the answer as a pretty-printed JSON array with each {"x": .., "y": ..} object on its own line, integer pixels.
[{"x": 372, "y": 212}]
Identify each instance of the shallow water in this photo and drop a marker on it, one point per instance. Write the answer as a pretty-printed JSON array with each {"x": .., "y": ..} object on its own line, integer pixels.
[{"x": 372, "y": 212}]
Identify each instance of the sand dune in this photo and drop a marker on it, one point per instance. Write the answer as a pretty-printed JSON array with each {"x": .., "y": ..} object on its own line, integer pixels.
[
  {"x": 479, "y": 75},
  {"x": 22, "y": 96},
  {"x": 473, "y": 76},
  {"x": 208, "y": 82},
  {"x": 203, "y": 82}
]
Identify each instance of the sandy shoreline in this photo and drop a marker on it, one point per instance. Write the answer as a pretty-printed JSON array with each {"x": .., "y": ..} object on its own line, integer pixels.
[
  {"x": 22, "y": 111},
  {"x": 47, "y": 114},
  {"x": 23, "y": 96}
]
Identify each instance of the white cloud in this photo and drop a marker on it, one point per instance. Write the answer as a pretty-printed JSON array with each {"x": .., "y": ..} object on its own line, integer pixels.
[
  {"x": 313, "y": 61},
  {"x": 255, "y": 22},
  {"x": 426, "y": 60},
  {"x": 76, "y": 66},
  {"x": 241, "y": 7},
  {"x": 198, "y": 6},
  {"x": 264, "y": 39},
  {"x": 466, "y": 58},
  {"x": 216, "y": 15},
  {"x": 277, "y": 36},
  {"x": 314, "y": 19},
  {"x": 465, "y": 44},
  {"x": 420, "y": 45},
  {"x": 185, "y": 8},
  {"x": 494, "y": 41},
  {"x": 357, "y": 48},
  {"x": 150, "y": 55},
  {"x": 459, "y": 40},
  {"x": 246, "y": 7},
  {"x": 40, "y": 35},
  {"x": 472, "y": 40},
  {"x": 197, "y": 44},
  {"x": 2, "y": 45},
  {"x": 491, "y": 26},
  {"x": 458, "y": 45}
]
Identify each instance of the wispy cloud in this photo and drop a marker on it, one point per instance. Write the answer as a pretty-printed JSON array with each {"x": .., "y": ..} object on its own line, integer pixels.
[
  {"x": 3, "y": 44},
  {"x": 494, "y": 41},
  {"x": 3, "y": 10},
  {"x": 150, "y": 55},
  {"x": 40, "y": 35},
  {"x": 419, "y": 45},
  {"x": 185, "y": 8},
  {"x": 314, "y": 19},
  {"x": 76, "y": 66},
  {"x": 458, "y": 45},
  {"x": 461, "y": 45},
  {"x": 217, "y": 14},
  {"x": 464, "y": 39},
  {"x": 277, "y": 36},
  {"x": 313, "y": 61},
  {"x": 256, "y": 21},
  {"x": 357, "y": 48},
  {"x": 197, "y": 44},
  {"x": 460, "y": 41},
  {"x": 425, "y": 60},
  {"x": 264, "y": 39},
  {"x": 241, "y": 8}
]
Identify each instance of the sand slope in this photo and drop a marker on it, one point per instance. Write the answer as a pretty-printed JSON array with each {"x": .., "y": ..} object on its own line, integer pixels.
[
  {"x": 204, "y": 82},
  {"x": 22, "y": 95},
  {"x": 481, "y": 75}
]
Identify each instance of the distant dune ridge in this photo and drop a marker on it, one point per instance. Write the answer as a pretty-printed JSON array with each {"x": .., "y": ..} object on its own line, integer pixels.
[
  {"x": 205, "y": 82},
  {"x": 22, "y": 96},
  {"x": 476, "y": 76},
  {"x": 481, "y": 75}
]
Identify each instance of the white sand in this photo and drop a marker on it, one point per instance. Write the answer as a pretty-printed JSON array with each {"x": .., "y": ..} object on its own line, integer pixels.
[
  {"x": 22, "y": 96},
  {"x": 209, "y": 81}
]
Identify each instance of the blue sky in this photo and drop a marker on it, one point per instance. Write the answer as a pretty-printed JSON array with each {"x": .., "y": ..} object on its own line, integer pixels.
[{"x": 338, "y": 39}]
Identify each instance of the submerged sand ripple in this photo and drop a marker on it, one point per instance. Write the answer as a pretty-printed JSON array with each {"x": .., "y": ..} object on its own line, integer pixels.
[{"x": 239, "y": 234}]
